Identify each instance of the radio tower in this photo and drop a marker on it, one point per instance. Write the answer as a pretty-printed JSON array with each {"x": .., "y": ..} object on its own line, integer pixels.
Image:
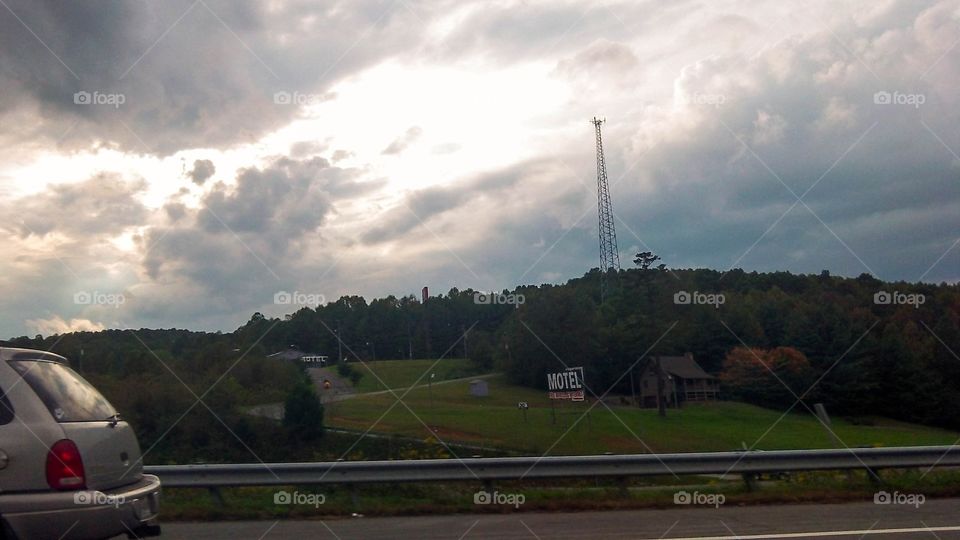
[{"x": 609, "y": 256}]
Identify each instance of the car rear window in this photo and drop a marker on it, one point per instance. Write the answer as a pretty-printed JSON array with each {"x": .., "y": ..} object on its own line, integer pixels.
[{"x": 68, "y": 396}]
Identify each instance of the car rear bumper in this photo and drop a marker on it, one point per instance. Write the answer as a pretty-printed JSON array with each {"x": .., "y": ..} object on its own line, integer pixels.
[{"x": 79, "y": 515}]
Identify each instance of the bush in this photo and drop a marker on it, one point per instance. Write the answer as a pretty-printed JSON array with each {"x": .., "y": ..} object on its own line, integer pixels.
[
  {"x": 346, "y": 371},
  {"x": 303, "y": 413},
  {"x": 768, "y": 378}
]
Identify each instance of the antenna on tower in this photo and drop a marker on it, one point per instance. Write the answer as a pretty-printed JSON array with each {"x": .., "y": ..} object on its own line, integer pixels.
[{"x": 609, "y": 255}]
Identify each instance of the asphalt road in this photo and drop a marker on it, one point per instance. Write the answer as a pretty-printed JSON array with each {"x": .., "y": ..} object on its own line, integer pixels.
[{"x": 932, "y": 520}]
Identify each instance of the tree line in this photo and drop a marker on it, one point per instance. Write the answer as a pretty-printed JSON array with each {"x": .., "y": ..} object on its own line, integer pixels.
[{"x": 860, "y": 345}]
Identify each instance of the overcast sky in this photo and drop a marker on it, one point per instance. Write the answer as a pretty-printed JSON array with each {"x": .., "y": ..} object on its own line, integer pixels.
[{"x": 179, "y": 163}]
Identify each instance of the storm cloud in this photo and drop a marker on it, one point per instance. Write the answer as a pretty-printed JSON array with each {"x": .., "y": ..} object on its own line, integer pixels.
[
  {"x": 767, "y": 136},
  {"x": 160, "y": 77},
  {"x": 202, "y": 170}
]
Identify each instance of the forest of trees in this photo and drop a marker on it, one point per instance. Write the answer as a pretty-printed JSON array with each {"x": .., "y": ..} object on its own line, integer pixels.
[{"x": 867, "y": 358}]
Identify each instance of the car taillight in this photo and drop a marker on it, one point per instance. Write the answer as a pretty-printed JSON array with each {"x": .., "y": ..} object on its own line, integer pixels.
[{"x": 65, "y": 467}]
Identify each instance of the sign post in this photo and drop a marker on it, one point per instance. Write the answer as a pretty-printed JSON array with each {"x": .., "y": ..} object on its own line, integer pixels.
[{"x": 565, "y": 385}]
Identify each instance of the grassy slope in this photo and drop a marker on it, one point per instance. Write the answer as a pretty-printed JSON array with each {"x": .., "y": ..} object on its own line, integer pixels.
[
  {"x": 496, "y": 421},
  {"x": 403, "y": 373}
]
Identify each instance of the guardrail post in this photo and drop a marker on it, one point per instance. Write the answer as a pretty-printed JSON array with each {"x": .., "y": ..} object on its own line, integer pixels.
[
  {"x": 874, "y": 476},
  {"x": 750, "y": 480},
  {"x": 354, "y": 497},
  {"x": 623, "y": 485},
  {"x": 216, "y": 495}
]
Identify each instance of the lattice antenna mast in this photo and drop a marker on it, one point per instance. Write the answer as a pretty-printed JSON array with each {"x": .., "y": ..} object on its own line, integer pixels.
[{"x": 609, "y": 255}]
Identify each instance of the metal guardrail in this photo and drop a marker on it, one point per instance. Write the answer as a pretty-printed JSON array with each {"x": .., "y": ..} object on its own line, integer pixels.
[{"x": 516, "y": 468}]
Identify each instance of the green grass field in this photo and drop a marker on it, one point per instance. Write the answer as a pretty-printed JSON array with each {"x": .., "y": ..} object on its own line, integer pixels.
[
  {"x": 496, "y": 421},
  {"x": 403, "y": 373}
]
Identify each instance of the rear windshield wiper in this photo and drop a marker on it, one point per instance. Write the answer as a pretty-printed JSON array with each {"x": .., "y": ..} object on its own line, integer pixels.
[{"x": 114, "y": 419}]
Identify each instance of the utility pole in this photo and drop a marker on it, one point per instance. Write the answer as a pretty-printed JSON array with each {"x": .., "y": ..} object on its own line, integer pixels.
[
  {"x": 609, "y": 254},
  {"x": 661, "y": 400},
  {"x": 426, "y": 329},
  {"x": 409, "y": 342},
  {"x": 339, "y": 344}
]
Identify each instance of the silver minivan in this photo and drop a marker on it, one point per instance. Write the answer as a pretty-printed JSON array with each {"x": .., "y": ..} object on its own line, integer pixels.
[{"x": 69, "y": 465}]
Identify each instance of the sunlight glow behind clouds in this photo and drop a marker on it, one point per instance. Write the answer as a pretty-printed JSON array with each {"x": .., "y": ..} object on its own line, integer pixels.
[
  {"x": 489, "y": 104},
  {"x": 492, "y": 115}
]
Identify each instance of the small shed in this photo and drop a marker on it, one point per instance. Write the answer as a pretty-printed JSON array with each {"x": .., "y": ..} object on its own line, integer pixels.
[
  {"x": 684, "y": 381},
  {"x": 478, "y": 387}
]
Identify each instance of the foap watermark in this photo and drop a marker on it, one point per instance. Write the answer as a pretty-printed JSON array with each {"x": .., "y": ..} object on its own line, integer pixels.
[
  {"x": 99, "y": 98},
  {"x": 97, "y": 498},
  {"x": 899, "y": 98},
  {"x": 484, "y": 298},
  {"x": 710, "y": 100},
  {"x": 703, "y": 499},
  {"x": 297, "y": 498},
  {"x": 897, "y": 298},
  {"x": 297, "y": 98},
  {"x": 909, "y": 499},
  {"x": 297, "y": 298},
  {"x": 684, "y": 298},
  {"x": 486, "y": 497},
  {"x": 96, "y": 298}
]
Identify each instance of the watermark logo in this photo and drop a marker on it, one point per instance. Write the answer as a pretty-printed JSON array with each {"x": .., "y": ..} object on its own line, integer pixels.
[
  {"x": 96, "y": 298},
  {"x": 97, "y": 498},
  {"x": 909, "y": 499},
  {"x": 699, "y": 98},
  {"x": 684, "y": 298},
  {"x": 482, "y": 298},
  {"x": 897, "y": 298},
  {"x": 297, "y": 298},
  {"x": 704, "y": 499},
  {"x": 710, "y": 100},
  {"x": 99, "y": 98},
  {"x": 485, "y": 497},
  {"x": 899, "y": 98},
  {"x": 297, "y": 498},
  {"x": 297, "y": 98}
]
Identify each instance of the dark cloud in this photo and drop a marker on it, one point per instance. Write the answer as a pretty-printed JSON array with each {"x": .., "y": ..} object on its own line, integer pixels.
[
  {"x": 304, "y": 149},
  {"x": 802, "y": 115},
  {"x": 421, "y": 206},
  {"x": 601, "y": 59},
  {"x": 61, "y": 243},
  {"x": 202, "y": 170},
  {"x": 104, "y": 205},
  {"x": 217, "y": 263},
  {"x": 175, "y": 210},
  {"x": 244, "y": 242},
  {"x": 402, "y": 142},
  {"x": 180, "y": 74},
  {"x": 339, "y": 155},
  {"x": 704, "y": 180}
]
